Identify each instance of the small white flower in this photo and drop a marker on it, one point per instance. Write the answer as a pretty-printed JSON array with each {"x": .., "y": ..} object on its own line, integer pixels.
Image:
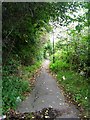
[
  {"x": 2, "y": 117},
  {"x": 85, "y": 98},
  {"x": 18, "y": 99},
  {"x": 82, "y": 73},
  {"x": 63, "y": 77},
  {"x": 47, "y": 117}
]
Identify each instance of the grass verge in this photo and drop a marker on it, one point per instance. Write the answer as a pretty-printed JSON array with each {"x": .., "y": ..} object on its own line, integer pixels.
[
  {"x": 76, "y": 86},
  {"x": 16, "y": 84}
]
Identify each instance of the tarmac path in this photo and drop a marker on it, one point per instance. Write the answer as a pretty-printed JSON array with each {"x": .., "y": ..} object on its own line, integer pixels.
[{"x": 46, "y": 94}]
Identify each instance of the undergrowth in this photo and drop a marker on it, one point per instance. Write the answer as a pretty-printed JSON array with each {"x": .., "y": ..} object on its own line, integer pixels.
[
  {"x": 16, "y": 83},
  {"x": 73, "y": 83}
]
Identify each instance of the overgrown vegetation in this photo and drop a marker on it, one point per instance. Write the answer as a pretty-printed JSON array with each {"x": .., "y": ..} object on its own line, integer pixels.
[
  {"x": 72, "y": 62},
  {"x": 16, "y": 83},
  {"x": 25, "y": 29},
  {"x": 75, "y": 85},
  {"x": 25, "y": 33}
]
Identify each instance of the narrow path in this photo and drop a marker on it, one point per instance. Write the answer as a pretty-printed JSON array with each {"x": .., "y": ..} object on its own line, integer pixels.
[{"x": 47, "y": 94}]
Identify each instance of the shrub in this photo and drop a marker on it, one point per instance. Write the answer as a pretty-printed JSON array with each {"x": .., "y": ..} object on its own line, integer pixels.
[
  {"x": 15, "y": 84},
  {"x": 59, "y": 65},
  {"x": 13, "y": 87},
  {"x": 76, "y": 85}
]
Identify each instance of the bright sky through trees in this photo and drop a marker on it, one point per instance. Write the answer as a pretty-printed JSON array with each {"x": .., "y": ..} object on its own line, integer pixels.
[
  {"x": 61, "y": 31},
  {"x": 27, "y": 29}
]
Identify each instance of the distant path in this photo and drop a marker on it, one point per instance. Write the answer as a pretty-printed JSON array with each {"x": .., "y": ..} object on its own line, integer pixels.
[{"x": 47, "y": 94}]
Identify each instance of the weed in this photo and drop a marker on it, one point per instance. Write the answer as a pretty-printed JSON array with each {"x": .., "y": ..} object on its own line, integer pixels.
[
  {"x": 73, "y": 83},
  {"x": 15, "y": 82}
]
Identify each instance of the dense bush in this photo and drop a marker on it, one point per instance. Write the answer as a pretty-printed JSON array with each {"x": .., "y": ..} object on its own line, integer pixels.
[
  {"x": 15, "y": 82},
  {"x": 13, "y": 89},
  {"x": 59, "y": 65}
]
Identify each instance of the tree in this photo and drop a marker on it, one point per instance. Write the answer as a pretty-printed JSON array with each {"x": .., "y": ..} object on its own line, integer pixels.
[{"x": 23, "y": 23}]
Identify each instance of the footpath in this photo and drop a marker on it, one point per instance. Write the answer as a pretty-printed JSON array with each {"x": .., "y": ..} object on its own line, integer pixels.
[{"x": 46, "y": 94}]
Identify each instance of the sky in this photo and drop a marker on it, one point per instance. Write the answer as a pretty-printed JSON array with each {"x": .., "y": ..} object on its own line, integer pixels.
[{"x": 61, "y": 31}]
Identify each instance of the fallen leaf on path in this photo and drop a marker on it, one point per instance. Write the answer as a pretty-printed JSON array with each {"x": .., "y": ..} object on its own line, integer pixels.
[
  {"x": 47, "y": 117},
  {"x": 42, "y": 100}
]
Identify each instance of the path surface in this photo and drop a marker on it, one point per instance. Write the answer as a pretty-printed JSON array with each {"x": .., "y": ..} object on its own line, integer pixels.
[{"x": 47, "y": 94}]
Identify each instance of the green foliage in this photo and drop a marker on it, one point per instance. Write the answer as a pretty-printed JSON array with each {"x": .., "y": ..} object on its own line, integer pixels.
[
  {"x": 76, "y": 52},
  {"x": 29, "y": 71},
  {"x": 75, "y": 84},
  {"x": 24, "y": 26},
  {"x": 59, "y": 65},
  {"x": 72, "y": 64},
  {"x": 11, "y": 67},
  {"x": 47, "y": 49},
  {"x": 78, "y": 28},
  {"x": 13, "y": 87},
  {"x": 15, "y": 82}
]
